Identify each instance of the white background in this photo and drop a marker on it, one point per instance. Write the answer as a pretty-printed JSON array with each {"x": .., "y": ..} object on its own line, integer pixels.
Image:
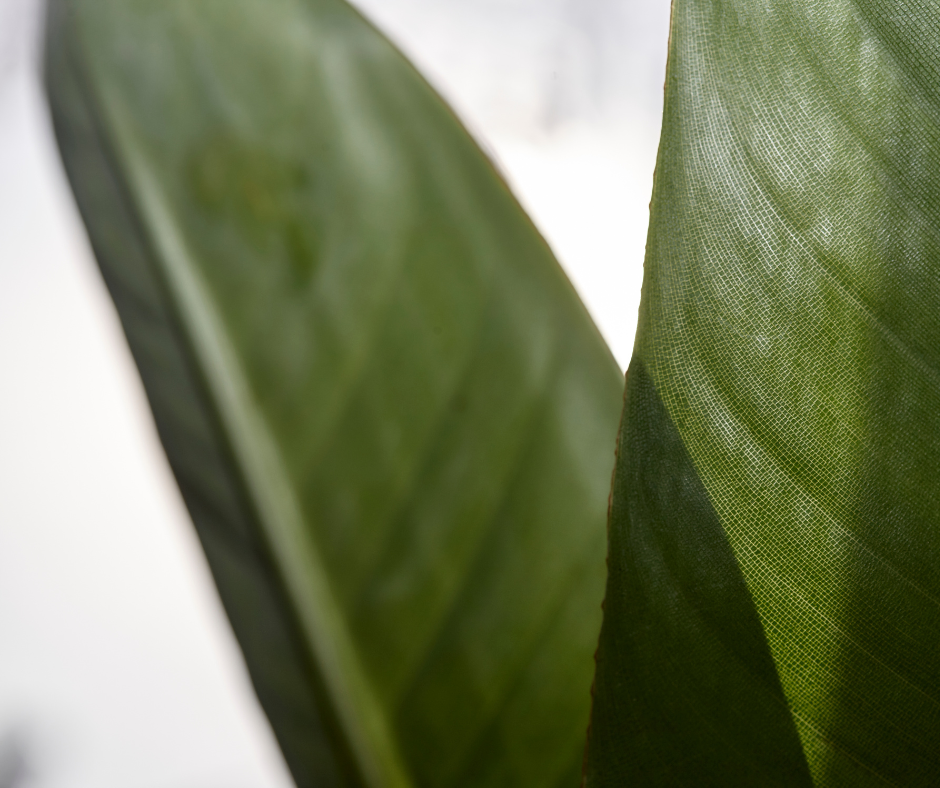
[{"x": 117, "y": 667}]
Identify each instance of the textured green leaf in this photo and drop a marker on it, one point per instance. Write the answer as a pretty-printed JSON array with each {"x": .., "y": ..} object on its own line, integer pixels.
[
  {"x": 790, "y": 326},
  {"x": 389, "y": 415},
  {"x": 682, "y": 650}
]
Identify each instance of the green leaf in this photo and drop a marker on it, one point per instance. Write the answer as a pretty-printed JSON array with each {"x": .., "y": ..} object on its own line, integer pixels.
[
  {"x": 682, "y": 652},
  {"x": 389, "y": 415},
  {"x": 790, "y": 329}
]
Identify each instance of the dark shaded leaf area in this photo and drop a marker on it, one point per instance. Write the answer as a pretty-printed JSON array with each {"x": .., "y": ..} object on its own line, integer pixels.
[{"x": 686, "y": 692}]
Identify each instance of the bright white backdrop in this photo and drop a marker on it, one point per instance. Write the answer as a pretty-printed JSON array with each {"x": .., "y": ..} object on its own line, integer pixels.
[{"x": 117, "y": 667}]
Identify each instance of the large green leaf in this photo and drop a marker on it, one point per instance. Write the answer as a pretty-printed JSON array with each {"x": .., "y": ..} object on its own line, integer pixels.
[
  {"x": 790, "y": 336},
  {"x": 390, "y": 416}
]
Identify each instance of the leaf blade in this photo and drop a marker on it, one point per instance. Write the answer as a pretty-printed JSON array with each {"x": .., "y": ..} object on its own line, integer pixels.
[
  {"x": 686, "y": 691},
  {"x": 789, "y": 326},
  {"x": 335, "y": 238}
]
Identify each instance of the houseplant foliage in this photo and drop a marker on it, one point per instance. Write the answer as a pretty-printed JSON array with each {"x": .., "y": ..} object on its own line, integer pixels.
[
  {"x": 773, "y": 607},
  {"x": 392, "y": 420},
  {"x": 390, "y": 417}
]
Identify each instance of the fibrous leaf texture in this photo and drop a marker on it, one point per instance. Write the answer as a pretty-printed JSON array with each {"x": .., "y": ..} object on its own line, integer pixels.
[
  {"x": 773, "y": 604},
  {"x": 390, "y": 417}
]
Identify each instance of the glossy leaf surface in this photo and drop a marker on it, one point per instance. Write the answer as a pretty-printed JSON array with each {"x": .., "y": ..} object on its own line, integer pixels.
[
  {"x": 390, "y": 416},
  {"x": 790, "y": 327}
]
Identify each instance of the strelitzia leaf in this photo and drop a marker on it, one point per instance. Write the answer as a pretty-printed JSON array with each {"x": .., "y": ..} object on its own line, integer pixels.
[
  {"x": 783, "y": 408},
  {"x": 389, "y": 415}
]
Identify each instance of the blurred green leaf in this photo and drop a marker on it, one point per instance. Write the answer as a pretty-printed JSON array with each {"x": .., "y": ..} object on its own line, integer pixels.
[
  {"x": 389, "y": 415},
  {"x": 773, "y": 607}
]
